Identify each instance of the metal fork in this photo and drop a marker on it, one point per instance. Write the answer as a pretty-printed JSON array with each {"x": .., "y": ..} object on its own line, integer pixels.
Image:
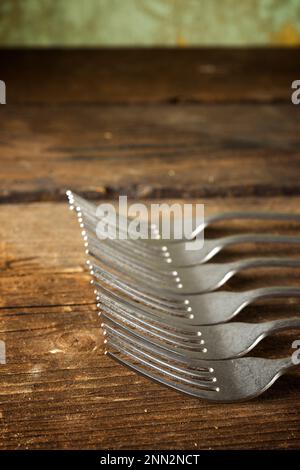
[
  {"x": 191, "y": 280},
  {"x": 209, "y": 308},
  {"x": 212, "y": 276},
  {"x": 219, "y": 381},
  {"x": 204, "y": 309},
  {"x": 136, "y": 331},
  {"x": 187, "y": 280},
  {"x": 217, "y": 276},
  {"x": 89, "y": 207},
  {"x": 223, "y": 341},
  {"x": 182, "y": 253}
]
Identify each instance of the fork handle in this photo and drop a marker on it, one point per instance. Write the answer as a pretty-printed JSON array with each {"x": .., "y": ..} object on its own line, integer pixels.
[
  {"x": 257, "y": 238},
  {"x": 252, "y": 216},
  {"x": 241, "y": 265},
  {"x": 274, "y": 326},
  {"x": 267, "y": 292},
  {"x": 244, "y": 215}
]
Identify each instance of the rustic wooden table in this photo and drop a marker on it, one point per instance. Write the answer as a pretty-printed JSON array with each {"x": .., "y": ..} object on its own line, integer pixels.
[{"x": 216, "y": 125}]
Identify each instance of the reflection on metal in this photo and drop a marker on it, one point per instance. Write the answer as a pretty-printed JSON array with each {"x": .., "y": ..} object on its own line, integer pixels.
[
  {"x": 2, "y": 92},
  {"x": 2, "y": 353}
]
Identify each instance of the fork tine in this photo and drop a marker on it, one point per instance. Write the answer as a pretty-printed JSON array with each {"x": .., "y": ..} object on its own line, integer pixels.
[
  {"x": 190, "y": 364},
  {"x": 174, "y": 329},
  {"x": 156, "y": 339},
  {"x": 203, "y": 383},
  {"x": 244, "y": 378},
  {"x": 91, "y": 219},
  {"x": 127, "y": 266},
  {"x": 152, "y": 267},
  {"x": 171, "y": 339},
  {"x": 138, "y": 247},
  {"x": 100, "y": 249},
  {"x": 142, "y": 343},
  {"x": 161, "y": 380},
  {"x": 91, "y": 209},
  {"x": 124, "y": 266},
  {"x": 123, "y": 280},
  {"x": 160, "y": 296},
  {"x": 176, "y": 313},
  {"x": 136, "y": 295}
]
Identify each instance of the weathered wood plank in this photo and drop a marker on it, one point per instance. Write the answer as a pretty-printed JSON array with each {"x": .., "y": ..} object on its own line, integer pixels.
[
  {"x": 58, "y": 390},
  {"x": 149, "y": 75},
  {"x": 185, "y": 151}
]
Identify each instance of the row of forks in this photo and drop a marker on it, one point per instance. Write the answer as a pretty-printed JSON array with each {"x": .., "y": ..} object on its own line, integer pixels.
[{"x": 163, "y": 318}]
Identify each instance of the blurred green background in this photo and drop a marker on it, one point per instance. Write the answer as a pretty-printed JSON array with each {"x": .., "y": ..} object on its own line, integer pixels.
[{"x": 149, "y": 22}]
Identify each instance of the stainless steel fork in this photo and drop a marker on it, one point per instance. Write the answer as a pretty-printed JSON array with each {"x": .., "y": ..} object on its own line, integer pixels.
[
  {"x": 150, "y": 340},
  {"x": 76, "y": 201},
  {"x": 188, "y": 280},
  {"x": 218, "y": 381},
  {"x": 212, "y": 276},
  {"x": 200, "y": 309},
  {"x": 223, "y": 341},
  {"x": 179, "y": 254},
  {"x": 209, "y": 308},
  {"x": 204, "y": 309},
  {"x": 183, "y": 253}
]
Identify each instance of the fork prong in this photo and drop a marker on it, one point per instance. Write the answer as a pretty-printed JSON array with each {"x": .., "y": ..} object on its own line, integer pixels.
[
  {"x": 172, "y": 328},
  {"x": 193, "y": 382},
  {"x": 143, "y": 291},
  {"x": 154, "y": 338},
  {"x": 122, "y": 246},
  {"x": 161, "y": 380},
  {"x": 179, "y": 313},
  {"x": 195, "y": 368},
  {"x": 162, "y": 367},
  {"x": 126, "y": 267},
  {"x": 139, "y": 297},
  {"x": 135, "y": 294},
  {"x": 191, "y": 363},
  {"x": 100, "y": 250},
  {"x": 141, "y": 249},
  {"x": 206, "y": 373},
  {"x": 91, "y": 219},
  {"x": 129, "y": 336},
  {"x": 171, "y": 340}
]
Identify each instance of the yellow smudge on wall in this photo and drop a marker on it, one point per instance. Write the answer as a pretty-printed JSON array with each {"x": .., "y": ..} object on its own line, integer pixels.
[
  {"x": 288, "y": 35},
  {"x": 181, "y": 41}
]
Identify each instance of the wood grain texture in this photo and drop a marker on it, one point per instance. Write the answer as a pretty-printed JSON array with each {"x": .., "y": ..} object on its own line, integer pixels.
[
  {"x": 169, "y": 151},
  {"x": 149, "y": 75},
  {"x": 213, "y": 124},
  {"x": 58, "y": 390}
]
